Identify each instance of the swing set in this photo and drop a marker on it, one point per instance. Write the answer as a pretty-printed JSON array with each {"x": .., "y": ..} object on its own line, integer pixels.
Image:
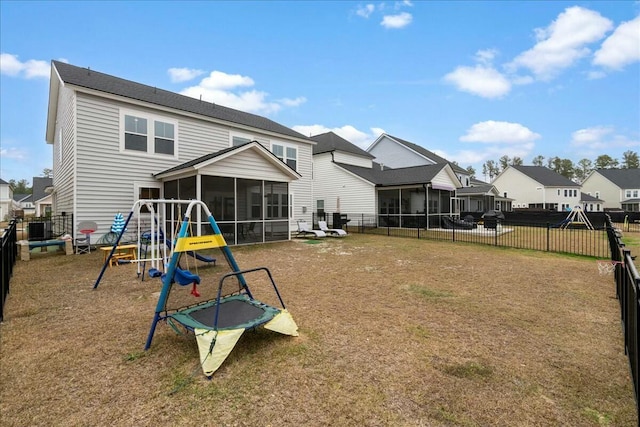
[{"x": 217, "y": 321}]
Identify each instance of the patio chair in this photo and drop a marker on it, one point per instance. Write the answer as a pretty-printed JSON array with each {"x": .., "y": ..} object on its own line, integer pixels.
[
  {"x": 83, "y": 244},
  {"x": 335, "y": 232},
  {"x": 304, "y": 230}
]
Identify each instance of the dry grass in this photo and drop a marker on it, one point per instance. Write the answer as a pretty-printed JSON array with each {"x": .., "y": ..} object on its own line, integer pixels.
[{"x": 394, "y": 331}]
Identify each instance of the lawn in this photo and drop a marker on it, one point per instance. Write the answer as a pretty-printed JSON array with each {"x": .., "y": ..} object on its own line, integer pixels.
[{"x": 393, "y": 331}]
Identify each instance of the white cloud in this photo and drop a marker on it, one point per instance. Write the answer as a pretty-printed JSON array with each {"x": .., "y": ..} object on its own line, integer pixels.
[
  {"x": 400, "y": 20},
  {"x": 499, "y": 132},
  {"x": 601, "y": 138},
  {"x": 486, "y": 56},
  {"x": 12, "y": 66},
  {"x": 348, "y": 132},
  {"x": 178, "y": 75},
  {"x": 365, "y": 11},
  {"x": 620, "y": 48},
  {"x": 563, "y": 42},
  {"x": 595, "y": 75},
  {"x": 13, "y": 153},
  {"x": 226, "y": 89},
  {"x": 481, "y": 80}
]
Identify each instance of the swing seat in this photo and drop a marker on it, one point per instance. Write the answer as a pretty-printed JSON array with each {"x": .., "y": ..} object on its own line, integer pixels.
[
  {"x": 184, "y": 277},
  {"x": 154, "y": 272}
]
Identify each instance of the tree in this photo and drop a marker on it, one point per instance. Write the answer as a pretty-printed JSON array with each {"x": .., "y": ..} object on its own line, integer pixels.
[
  {"x": 47, "y": 173},
  {"x": 20, "y": 187},
  {"x": 489, "y": 168},
  {"x": 553, "y": 163},
  {"x": 516, "y": 161},
  {"x": 606, "y": 162},
  {"x": 504, "y": 162},
  {"x": 567, "y": 169},
  {"x": 630, "y": 160},
  {"x": 582, "y": 170},
  {"x": 472, "y": 171},
  {"x": 538, "y": 161}
]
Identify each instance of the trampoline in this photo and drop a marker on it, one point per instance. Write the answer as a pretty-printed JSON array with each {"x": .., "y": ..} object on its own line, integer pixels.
[{"x": 218, "y": 322}]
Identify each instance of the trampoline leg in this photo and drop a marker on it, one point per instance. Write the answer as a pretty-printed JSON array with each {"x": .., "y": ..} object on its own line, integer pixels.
[{"x": 156, "y": 319}]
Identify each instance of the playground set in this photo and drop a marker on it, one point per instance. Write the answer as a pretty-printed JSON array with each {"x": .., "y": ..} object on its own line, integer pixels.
[{"x": 219, "y": 318}]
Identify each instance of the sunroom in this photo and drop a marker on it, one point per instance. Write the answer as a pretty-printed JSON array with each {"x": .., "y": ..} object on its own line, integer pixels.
[{"x": 246, "y": 188}]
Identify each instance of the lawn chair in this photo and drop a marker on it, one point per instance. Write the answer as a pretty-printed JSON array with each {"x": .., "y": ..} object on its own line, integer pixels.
[
  {"x": 304, "y": 230},
  {"x": 335, "y": 232},
  {"x": 83, "y": 244}
]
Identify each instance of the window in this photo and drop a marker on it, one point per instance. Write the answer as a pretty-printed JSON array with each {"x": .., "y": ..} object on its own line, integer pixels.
[
  {"x": 627, "y": 194},
  {"x": 239, "y": 140},
  {"x": 164, "y": 138},
  {"x": 146, "y": 134},
  {"x": 565, "y": 192},
  {"x": 147, "y": 193},
  {"x": 575, "y": 193},
  {"x": 635, "y": 194},
  {"x": 287, "y": 154}
]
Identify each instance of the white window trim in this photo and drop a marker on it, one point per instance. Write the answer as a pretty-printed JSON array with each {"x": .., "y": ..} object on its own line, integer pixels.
[
  {"x": 240, "y": 135},
  {"x": 151, "y": 119},
  {"x": 284, "y": 151}
]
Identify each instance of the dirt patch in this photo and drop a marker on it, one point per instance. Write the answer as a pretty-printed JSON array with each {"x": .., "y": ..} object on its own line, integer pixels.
[{"x": 393, "y": 332}]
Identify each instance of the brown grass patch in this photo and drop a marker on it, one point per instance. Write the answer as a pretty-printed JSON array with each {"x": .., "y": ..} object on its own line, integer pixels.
[{"x": 393, "y": 332}]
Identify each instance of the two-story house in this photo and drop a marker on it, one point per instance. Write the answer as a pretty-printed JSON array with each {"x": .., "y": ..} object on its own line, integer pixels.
[
  {"x": 116, "y": 141},
  {"x": 538, "y": 187},
  {"x": 347, "y": 180},
  {"x": 618, "y": 188}
]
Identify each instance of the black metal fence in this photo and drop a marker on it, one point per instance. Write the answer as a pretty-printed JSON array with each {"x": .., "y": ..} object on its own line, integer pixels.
[
  {"x": 49, "y": 227},
  {"x": 8, "y": 256},
  {"x": 627, "y": 287},
  {"x": 539, "y": 235}
]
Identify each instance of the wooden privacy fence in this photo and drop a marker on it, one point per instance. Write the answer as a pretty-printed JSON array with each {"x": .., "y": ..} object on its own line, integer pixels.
[
  {"x": 627, "y": 286},
  {"x": 8, "y": 255}
]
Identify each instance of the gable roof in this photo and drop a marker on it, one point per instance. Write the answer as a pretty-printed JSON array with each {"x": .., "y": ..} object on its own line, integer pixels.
[
  {"x": 207, "y": 159},
  {"x": 426, "y": 153},
  {"x": 39, "y": 185},
  {"x": 477, "y": 189},
  {"x": 94, "y": 80},
  {"x": 385, "y": 177},
  {"x": 329, "y": 141},
  {"x": 2, "y": 181},
  {"x": 623, "y": 178},
  {"x": 545, "y": 176},
  {"x": 22, "y": 198},
  {"x": 584, "y": 197}
]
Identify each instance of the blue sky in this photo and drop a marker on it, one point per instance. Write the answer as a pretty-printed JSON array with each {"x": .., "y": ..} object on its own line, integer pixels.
[{"x": 471, "y": 81}]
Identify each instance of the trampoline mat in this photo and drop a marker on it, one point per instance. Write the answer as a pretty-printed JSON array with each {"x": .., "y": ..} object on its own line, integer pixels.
[{"x": 234, "y": 313}]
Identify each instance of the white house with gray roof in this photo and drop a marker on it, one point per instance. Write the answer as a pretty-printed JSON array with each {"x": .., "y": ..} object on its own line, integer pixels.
[
  {"x": 417, "y": 196},
  {"x": 6, "y": 200},
  {"x": 116, "y": 141},
  {"x": 619, "y": 188},
  {"x": 537, "y": 187},
  {"x": 395, "y": 152}
]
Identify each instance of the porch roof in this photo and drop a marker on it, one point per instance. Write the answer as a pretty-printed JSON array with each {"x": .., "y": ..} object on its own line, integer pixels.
[{"x": 386, "y": 177}]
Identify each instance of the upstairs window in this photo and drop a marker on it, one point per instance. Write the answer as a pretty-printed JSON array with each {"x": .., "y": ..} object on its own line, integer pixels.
[
  {"x": 146, "y": 134},
  {"x": 239, "y": 140},
  {"x": 135, "y": 133},
  {"x": 287, "y": 154},
  {"x": 164, "y": 138}
]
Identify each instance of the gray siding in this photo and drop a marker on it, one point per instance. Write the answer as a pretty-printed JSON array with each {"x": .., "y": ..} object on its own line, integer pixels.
[
  {"x": 352, "y": 159},
  {"x": 106, "y": 178},
  {"x": 64, "y": 179},
  {"x": 249, "y": 165}
]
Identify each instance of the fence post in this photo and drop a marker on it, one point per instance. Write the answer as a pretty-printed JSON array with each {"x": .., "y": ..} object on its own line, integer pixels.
[{"x": 548, "y": 236}]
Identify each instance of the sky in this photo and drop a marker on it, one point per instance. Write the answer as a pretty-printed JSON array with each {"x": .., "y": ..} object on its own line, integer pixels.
[{"x": 469, "y": 80}]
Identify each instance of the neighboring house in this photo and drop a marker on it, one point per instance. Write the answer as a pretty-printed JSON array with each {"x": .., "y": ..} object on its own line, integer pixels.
[
  {"x": 481, "y": 197},
  {"x": 537, "y": 187},
  {"x": 394, "y": 152},
  {"x": 590, "y": 203},
  {"x": 41, "y": 199},
  {"x": 619, "y": 188},
  {"x": 348, "y": 181},
  {"x": 24, "y": 203},
  {"x": 116, "y": 141},
  {"x": 6, "y": 200},
  {"x": 335, "y": 188}
]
